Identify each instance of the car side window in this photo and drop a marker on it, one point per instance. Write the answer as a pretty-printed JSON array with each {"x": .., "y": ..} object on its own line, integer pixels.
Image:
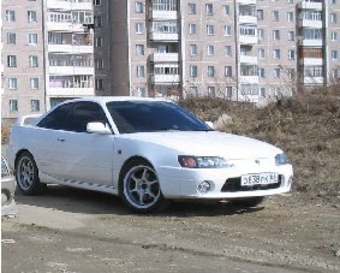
[
  {"x": 56, "y": 120},
  {"x": 83, "y": 113}
]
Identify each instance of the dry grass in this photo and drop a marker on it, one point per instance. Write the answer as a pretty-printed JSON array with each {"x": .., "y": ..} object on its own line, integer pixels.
[{"x": 307, "y": 127}]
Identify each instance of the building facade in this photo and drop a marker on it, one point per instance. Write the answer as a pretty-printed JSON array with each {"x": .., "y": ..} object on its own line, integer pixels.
[{"x": 245, "y": 50}]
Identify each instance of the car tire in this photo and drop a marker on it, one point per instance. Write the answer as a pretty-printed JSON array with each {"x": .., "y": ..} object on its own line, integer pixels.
[
  {"x": 140, "y": 189},
  {"x": 27, "y": 175},
  {"x": 248, "y": 202}
]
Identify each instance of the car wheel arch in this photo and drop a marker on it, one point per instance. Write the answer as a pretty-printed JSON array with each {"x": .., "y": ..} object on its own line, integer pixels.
[{"x": 19, "y": 153}]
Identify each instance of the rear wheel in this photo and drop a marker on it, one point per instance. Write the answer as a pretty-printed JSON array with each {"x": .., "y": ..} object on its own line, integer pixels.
[
  {"x": 27, "y": 175},
  {"x": 140, "y": 189},
  {"x": 248, "y": 202}
]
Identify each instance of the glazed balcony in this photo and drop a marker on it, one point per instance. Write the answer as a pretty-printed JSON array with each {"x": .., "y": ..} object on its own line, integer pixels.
[
  {"x": 164, "y": 57},
  {"x": 312, "y": 4},
  {"x": 69, "y": 4}
]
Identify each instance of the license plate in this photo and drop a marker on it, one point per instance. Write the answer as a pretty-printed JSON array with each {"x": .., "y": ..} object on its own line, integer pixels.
[{"x": 259, "y": 179}]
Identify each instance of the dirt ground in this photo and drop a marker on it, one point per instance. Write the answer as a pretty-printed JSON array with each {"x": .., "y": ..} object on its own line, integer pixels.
[{"x": 70, "y": 230}]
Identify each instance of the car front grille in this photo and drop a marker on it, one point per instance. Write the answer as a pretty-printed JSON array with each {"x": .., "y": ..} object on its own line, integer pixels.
[{"x": 234, "y": 185}]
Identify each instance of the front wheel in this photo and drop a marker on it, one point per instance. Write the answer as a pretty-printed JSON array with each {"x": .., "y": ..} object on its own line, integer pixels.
[
  {"x": 139, "y": 187},
  {"x": 27, "y": 175}
]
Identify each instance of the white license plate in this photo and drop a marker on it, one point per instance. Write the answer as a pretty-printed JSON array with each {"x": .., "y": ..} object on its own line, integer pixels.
[{"x": 259, "y": 179}]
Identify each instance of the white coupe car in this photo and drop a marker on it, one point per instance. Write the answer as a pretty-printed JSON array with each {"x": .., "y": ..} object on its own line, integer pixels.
[{"x": 147, "y": 151}]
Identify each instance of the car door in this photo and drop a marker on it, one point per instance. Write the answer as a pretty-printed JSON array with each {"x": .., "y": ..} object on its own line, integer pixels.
[{"x": 85, "y": 157}]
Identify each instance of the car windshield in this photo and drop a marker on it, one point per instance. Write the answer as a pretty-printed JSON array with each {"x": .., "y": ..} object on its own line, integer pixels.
[{"x": 153, "y": 116}]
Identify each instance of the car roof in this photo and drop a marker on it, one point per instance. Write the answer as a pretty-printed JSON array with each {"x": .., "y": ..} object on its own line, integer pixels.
[{"x": 105, "y": 99}]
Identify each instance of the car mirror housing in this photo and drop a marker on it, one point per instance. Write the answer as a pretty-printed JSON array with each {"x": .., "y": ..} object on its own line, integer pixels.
[{"x": 98, "y": 128}]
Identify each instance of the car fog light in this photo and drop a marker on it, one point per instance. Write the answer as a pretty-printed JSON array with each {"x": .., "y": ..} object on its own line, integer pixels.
[{"x": 203, "y": 187}]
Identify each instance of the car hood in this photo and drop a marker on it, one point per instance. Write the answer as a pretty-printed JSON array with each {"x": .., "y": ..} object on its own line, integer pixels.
[{"x": 209, "y": 143}]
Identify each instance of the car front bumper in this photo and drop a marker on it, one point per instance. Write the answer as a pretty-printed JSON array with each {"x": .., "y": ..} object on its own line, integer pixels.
[
  {"x": 8, "y": 205},
  {"x": 224, "y": 183}
]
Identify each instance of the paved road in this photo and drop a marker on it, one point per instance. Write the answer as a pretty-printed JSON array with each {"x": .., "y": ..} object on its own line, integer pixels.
[{"x": 76, "y": 231}]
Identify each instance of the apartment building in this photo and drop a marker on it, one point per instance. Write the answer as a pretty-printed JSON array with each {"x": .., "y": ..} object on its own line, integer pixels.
[
  {"x": 245, "y": 50},
  {"x": 47, "y": 54}
]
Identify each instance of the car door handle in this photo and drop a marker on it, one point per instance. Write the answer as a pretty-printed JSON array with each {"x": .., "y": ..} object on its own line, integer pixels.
[{"x": 61, "y": 139}]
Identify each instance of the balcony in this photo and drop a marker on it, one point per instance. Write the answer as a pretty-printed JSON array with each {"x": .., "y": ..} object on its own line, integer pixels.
[
  {"x": 71, "y": 49},
  {"x": 65, "y": 27},
  {"x": 163, "y": 79},
  {"x": 247, "y": 19},
  {"x": 163, "y": 15},
  {"x": 249, "y": 79},
  {"x": 248, "y": 59},
  {"x": 71, "y": 92},
  {"x": 69, "y": 5},
  {"x": 246, "y": 2},
  {"x": 311, "y": 61},
  {"x": 311, "y": 42},
  {"x": 315, "y": 5},
  {"x": 163, "y": 37},
  {"x": 312, "y": 80},
  {"x": 70, "y": 70},
  {"x": 164, "y": 57},
  {"x": 248, "y": 39},
  {"x": 317, "y": 24}
]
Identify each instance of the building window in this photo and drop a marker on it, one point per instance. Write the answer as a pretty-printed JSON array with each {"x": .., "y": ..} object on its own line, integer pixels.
[
  {"x": 277, "y": 73},
  {"x": 226, "y": 30},
  {"x": 11, "y": 38},
  {"x": 192, "y": 8},
  {"x": 193, "y": 50},
  {"x": 227, "y": 51},
  {"x": 34, "y": 83},
  {"x": 334, "y": 36},
  {"x": 261, "y": 72},
  {"x": 12, "y": 83},
  {"x": 139, "y": 28},
  {"x": 140, "y": 71},
  {"x": 193, "y": 71},
  {"x": 291, "y": 73},
  {"x": 140, "y": 49},
  {"x": 35, "y": 105},
  {"x": 226, "y": 10},
  {"x": 210, "y": 50},
  {"x": 229, "y": 92},
  {"x": 334, "y": 54},
  {"x": 99, "y": 63},
  {"x": 194, "y": 91},
  {"x": 211, "y": 71},
  {"x": 10, "y": 15},
  {"x": 98, "y": 42},
  {"x": 210, "y": 29},
  {"x": 228, "y": 72},
  {"x": 333, "y": 2},
  {"x": 99, "y": 84},
  {"x": 32, "y": 16},
  {"x": 263, "y": 92},
  {"x": 32, "y": 39},
  {"x": 277, "y": 54},
  {"x": 276, "y": 34},
  {"x": 260, "y": 53},
  {"x": 97, "y": 21},
  {"x": 139, "y": 7},
  {"x": 211, "y": 92},
  {"x": 259, "y": 14},
  {"x": 97, "y": 2},
  {"x": 291, "y": 54},
  {"x": 33, "y": 61},
  {"x": 260, "y": 34},
  {"x": 11, "y": 61},
  {"x": 209, "y": 10},
  {"x": 141, "y": 91},
  {"x": 333, "y": 18},
  {"x": 335, "y": 73},
  {"x": 290, "y": 16},
  {"x": 192, "y": 29},
  {"x": 13, "y": 106},
  {"x": 276, "y": 15},
  {"x": 291, "y": 35}
]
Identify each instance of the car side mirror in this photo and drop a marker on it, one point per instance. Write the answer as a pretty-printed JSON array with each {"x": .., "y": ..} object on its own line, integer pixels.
[{"x": 98, "y": 128}]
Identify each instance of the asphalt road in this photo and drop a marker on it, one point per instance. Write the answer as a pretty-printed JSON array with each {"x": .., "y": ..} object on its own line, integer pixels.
[{"x": 70, "y": 230}]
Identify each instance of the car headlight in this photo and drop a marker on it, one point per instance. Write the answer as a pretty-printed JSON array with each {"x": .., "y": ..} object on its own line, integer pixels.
[
  {"x": 202, "y": 161},
  {"x": 281, "y": 159}
]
